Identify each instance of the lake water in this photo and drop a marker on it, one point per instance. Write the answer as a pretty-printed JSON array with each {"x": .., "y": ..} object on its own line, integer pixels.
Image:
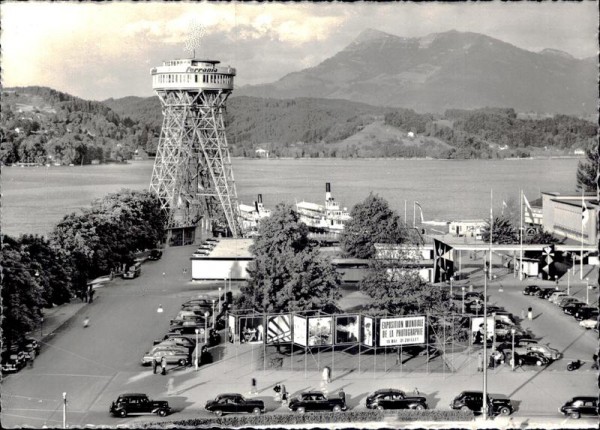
[{"x": 35, "y": 199}]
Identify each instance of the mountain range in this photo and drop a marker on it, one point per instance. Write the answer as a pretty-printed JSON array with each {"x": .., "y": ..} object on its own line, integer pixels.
[{"x": 442, "y": 71}]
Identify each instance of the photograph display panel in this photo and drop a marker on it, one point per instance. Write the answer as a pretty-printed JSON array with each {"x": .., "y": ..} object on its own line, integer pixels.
[
  {"x": 299, "y": 330},
  {"x": 477, "y": 329},
  {"x": 252, "y": 329},
  {"x": 232, "y": 329},
  {"x": 401, "y": 331},
  {"x": 279, "y": 328},
  {"x": 347, "y": 329},
  {"x": 320, "y": 331},
  {"x": 367, "y": 331}
]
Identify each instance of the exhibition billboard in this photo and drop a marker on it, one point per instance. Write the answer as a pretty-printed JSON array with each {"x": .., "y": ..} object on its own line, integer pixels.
[
  {"x": 347, "y": 329},
  {"x": 320, "y": 331},
  {"x": 367, "y": 331},
  {"x": 252, "y": 329},
  {"x": 279, "y": 328},
  {"x": 232, "y": 328},
  {"x": 299, "y": 330},
  {"x": 477, "y": 328},
  {"x": 402, "y": 331}
]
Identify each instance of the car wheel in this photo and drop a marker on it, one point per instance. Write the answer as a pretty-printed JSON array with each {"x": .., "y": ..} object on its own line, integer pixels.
[
  {"x": 337, "y": 408},
  {"x": 218, "y": 412},
  {"x": 539, "y": 363},
  {"x": 256, "y": 411},
  {"x": 182, "y": 362},
  {"x": 504, "y": 411},
  {"x": 465, "y": 409},
  {"x": 380, "y": 408},
  {"x": 575, "y": 415},
  {"x": 419, "y": 407},
  {"x": 301, "y": 410},
  {"x": 123, "y": 413},
  {"x": 162, "y": 413}
]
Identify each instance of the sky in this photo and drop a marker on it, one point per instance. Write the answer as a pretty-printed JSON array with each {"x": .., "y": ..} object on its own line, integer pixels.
[{"x": 102, "y": 50}]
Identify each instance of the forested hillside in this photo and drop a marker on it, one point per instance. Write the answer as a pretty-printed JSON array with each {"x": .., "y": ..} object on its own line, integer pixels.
[{"x": 41, "y": 125}]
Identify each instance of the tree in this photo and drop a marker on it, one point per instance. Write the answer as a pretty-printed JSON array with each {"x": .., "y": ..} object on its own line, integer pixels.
[
  {"x": 503, "y": 231},
  {"x": 540, "y": 237},
  {"x": 372, "y": 222},
  {"x": 286, "y": 273},
  {"x": 588, "y": 171}
]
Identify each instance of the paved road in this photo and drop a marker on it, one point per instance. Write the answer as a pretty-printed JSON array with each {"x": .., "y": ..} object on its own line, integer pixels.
[{"x": 95, "y": 364}]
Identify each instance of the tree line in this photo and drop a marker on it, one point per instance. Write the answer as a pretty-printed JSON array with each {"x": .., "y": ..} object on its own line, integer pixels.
[{"x": 39, "y": 272}]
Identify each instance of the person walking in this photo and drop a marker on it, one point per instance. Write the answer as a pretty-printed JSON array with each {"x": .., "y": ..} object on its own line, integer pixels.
[
  {"x": 163, "y": 365},
  {"x": 31, "y": 357},
  {"x": 253, "y": 389},
  {"x": 284, "y": 395},
  {"x": 154, "y": 365},
  {"x": 479, "y": 362},
  {"x": 327, "y": 374},
  {"x": 342, "y": 395}
]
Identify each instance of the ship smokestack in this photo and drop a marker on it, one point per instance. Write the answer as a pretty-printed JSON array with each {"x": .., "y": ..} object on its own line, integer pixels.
[
  {"x": 256, "y": 206},
  {"x": 260, "y": 198},
  {"x": 327, "y": 191}
]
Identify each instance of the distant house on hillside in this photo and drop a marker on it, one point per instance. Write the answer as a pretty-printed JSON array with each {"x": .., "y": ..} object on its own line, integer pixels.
[
  {"x": 579, "y": 152},
  {"x": 262, "y": 153}
]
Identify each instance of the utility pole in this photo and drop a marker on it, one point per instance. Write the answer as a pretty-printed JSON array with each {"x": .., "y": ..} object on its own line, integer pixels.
[{"x": 65, "y": 410}]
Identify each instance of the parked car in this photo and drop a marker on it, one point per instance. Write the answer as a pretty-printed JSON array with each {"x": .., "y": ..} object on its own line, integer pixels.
[
  {"x": 173, "y": 355},
  {"x": 589, "y": 323},
  {"x": 214, "y": 338},
  {"x": 29, "y": 344},
  {"x": 473, "y": 400},
  {"x": 556, "y": 295},
  {"x": 531, "y": 358},
  {"x": 506, "y": 318},
  {"x": 544, "y": 293},
  {"x": 580, "y": 405},
  {"x": 202, "y": 302},
  {"x": 234, "y": 403},
  {"x": 316, "y": 401},
  {"x": 136, "y": 403},
  {"x": 182, "y": 342},
  {"x": 155, "y": 254},
  {"x": 565, "y": 300},
  {"x": 545, "y": 350},
  {"x": 586, "y": 312},
  {"x": 188, "y": 318},
  {"x": 531, "y": 290},
  {"x": 572, "y": 308},
  {"x": 133, "y": 271},
  {"x": 201, "y": 253},
  {"x": 503, "y": 330},
  {"x": 521, "y": 346},
  {"x": 391, "y": 398}
]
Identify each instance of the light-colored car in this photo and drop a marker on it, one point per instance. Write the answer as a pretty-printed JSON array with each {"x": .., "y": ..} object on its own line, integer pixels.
[
  {"x": 565, "y": 300},
  {"x": 182, "y": 342},
  {"x": 174, "y": 354},
  {"x": 556, "y": 295},
  {"x": 589, "y": 323}
]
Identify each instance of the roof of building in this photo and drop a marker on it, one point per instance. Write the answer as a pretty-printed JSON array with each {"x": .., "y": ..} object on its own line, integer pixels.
[{"x": 232, "y": 248}]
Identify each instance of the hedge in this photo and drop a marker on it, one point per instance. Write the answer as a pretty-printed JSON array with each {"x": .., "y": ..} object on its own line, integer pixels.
[
  {"x": 315, "y": 418},
  {"x": 272, "y": 419}
]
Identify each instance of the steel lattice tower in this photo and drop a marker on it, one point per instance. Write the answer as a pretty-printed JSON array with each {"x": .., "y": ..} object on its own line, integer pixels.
[{"x": 192, "y": 172}]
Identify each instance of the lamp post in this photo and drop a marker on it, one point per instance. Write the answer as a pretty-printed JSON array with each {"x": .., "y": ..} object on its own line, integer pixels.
[
  {"x": 512, "y": 362},
  {"x": 206, "y": 327},
  {"x": 213, "y": 313},
  {"x": 484, "y": 412},
  {"x": 463, "y": 299},
  {"x": 196, "y": 361},
  {"x": 587, "y": 291},
  {"x": 451, "y": 278},
  {"x": 568, "y": 282},
  {"x": 41, "y": 327},
  {"x": 219, "y": 299},
  {"x": 494, "y": 333},
  {"x": 64, "y": 410}
]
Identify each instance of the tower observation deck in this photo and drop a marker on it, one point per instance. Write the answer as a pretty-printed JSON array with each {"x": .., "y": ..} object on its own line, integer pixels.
[{"x": 192, "y": 173}]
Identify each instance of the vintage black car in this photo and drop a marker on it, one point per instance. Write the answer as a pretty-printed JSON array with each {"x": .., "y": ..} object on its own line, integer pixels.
[
  {"x": 531, "y": 358},
  {"x": 545, "y": 293},
  {"x": 531, "y": 290},
  {"x": 581, "y": 405},
  {"x": 316, "y": 401},
  {"x": 155, "y": 254},
  {"x": 391, "y": 398},
  {"x": 137, "y": 403},
  {"x": 473, "y": 400},
  {"x": 585, "y": 313},
  {"x": 572, "y": 308},
  {"x": 233, "y": 403}
]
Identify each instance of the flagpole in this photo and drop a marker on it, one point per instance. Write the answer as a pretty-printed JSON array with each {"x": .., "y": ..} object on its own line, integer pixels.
[
  {"x": 491, "y": 228},
  {"x": 414, "y": 213},
  {"x": 582, "y": 224},
  {"x": 521, "y": 241},
  {"x": 405, "y": 219}
]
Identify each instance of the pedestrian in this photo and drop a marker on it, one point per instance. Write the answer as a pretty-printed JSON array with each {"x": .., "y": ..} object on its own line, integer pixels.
[
  {"x": 417, "y": 392},
  {"x": 284, "y": 394},
  {"x": 342, "y": 395},
  {"x": 86, "y": 322},
  {"x": 154, "y": 365},
  {"x": 595, "y": 363},
  {"x": 91, "y": 295},
  {"x": 277, "y": 389},
  {"x": 163, "y": 365},
  {"x": 529, "y": 313},
  {"x": 253, "y": 389},
  {"x": 31, "y": 357},
  {"x": 522, "y": 313},
  {"x": 327, "y": 374},
  {"x": 479, "y": 362}
]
